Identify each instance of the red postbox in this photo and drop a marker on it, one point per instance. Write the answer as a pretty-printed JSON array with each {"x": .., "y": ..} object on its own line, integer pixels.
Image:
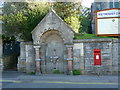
[{"x": 97, "y": 57}]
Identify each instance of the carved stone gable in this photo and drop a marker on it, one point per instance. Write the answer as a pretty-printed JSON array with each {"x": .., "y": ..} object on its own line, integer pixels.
[{"x": 53, "y": 22}]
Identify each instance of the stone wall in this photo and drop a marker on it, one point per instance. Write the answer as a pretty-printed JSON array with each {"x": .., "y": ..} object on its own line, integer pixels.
[
  {"x": 1, "y": 50},
  {"x": 10, "y": 62},
  {"x": 30, "y": 58},
  {"x": 22, "y": 58},
  {"x": 116, "y": 56},
  {"x": 83, "y": 56},
  {"x": 26, "y": 59},
  {"x": 109, "y": 55},
  {"x": 78, "y": 57}
]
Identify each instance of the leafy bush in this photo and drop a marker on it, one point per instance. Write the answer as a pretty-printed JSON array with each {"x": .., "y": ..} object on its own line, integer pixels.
[
  {"x": 31, "y": 73},
  {"x": 56, "y": 72},
  {"x": 20, "y": 18},
  {"x": 76, "y": 72}
]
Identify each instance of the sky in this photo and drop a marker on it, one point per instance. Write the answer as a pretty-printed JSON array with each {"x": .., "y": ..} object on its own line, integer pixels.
[
  {"x": 87, "y": 3},
  {"x": 1, "y": 2}
]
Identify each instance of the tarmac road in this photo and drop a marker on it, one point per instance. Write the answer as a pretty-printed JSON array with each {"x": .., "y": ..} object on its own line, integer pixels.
[{"x": 15, "y": 79}]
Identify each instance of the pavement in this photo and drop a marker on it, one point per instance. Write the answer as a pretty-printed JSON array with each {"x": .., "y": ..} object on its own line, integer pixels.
[{"x": 14, "y": 79}]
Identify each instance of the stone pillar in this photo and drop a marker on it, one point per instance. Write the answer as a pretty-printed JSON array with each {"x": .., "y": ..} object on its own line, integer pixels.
[
  {"x": 1, "y": 52},
  {"x": 21, "y": 66},
  {"x": 37, "y": 50},
  {"x": 30, "y": 63},
  {"x": 69, "y": 59}
]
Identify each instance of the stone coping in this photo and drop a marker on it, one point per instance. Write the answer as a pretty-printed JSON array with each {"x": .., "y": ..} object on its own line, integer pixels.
[
  {"x": 26, "y": 43},
  {"x": 96, "y": 40},
  {"x": 86, "y": 41},
  {"x": 116, "y": 40}
]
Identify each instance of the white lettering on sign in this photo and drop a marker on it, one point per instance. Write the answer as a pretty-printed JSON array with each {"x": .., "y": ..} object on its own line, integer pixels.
[
  {"x": 97, "y": 56},
  {"x": 108, "y": 13}
]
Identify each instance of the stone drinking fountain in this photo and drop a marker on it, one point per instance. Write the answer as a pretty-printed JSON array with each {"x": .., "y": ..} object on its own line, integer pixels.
[{"x": 54, "y": 59}]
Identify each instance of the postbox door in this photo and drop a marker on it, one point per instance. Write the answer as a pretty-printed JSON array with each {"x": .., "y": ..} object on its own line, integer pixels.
[{"x": 97, "y": 57}]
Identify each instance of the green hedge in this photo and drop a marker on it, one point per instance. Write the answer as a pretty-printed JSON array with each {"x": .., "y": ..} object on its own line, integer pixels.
[
  {"x": 31, "y": 73},
  {"x": 57, "y": 72},
  {"x": 90, "y": 36},
  {"x": 76, "y": 72}
]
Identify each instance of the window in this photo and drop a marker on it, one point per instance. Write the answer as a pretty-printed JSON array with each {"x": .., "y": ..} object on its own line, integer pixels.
[
  {"x": 98, "y": 7},
  {"x": 111, "y": 4},
  {"x": 114, "y": 4}
]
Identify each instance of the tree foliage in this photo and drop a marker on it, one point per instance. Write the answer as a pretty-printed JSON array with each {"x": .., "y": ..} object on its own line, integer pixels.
[
  {"x": 69, "y": 12},
  {"x": 85, "y": 21},
  {"x": 7, "y": 39},
  {"x": 73, "y": 22},
  {"x": 21, "y": 18}
]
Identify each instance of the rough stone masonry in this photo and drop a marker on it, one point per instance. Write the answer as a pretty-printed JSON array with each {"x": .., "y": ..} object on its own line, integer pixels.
[{"x": 54, "y": 49}]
